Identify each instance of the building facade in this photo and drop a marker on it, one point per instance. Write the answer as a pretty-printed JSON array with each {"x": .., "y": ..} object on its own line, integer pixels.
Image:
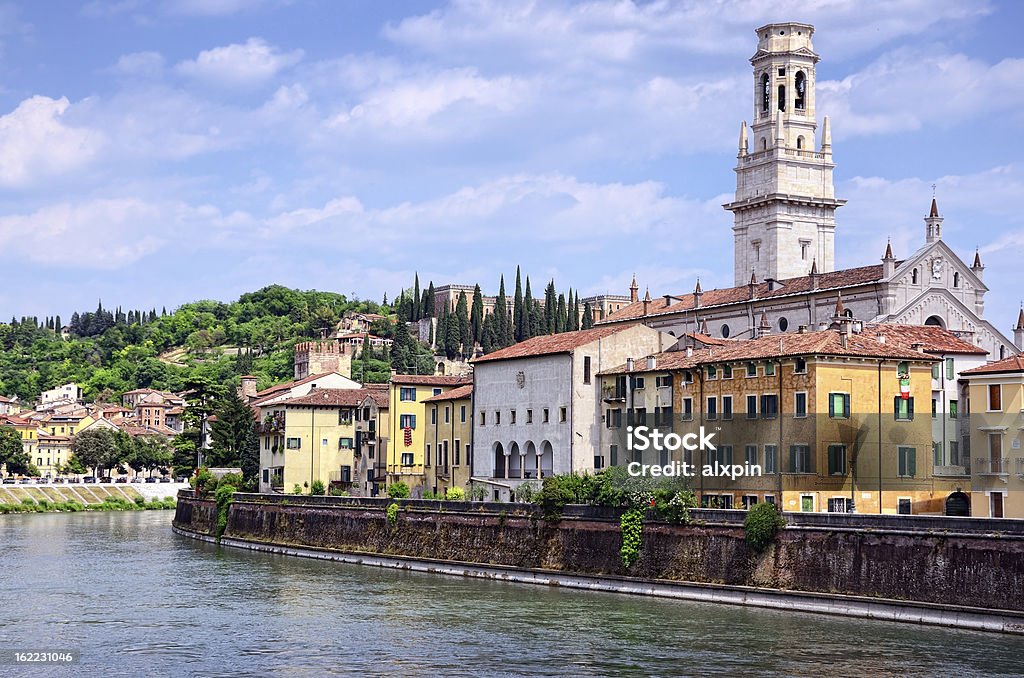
[{"x": 449, "y": 439}]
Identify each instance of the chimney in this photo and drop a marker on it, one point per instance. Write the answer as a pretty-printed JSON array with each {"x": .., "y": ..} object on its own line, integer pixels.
[
  {"x": 917, "y": 346},
  {"x": 880, "y": 337},
  {"x": 802, "y": 329},
  {"x": 752, "y": 285},
  {"x": 689, "y": 351},
  {"x": 629, "y": 364},
  {"x": 843, "y": 339},
  {"x": 652, "y": 362},
  {"x": 247, "y": 390},
  {"x": 814, "y": 274},
  {"x": 668, "y": 300}
]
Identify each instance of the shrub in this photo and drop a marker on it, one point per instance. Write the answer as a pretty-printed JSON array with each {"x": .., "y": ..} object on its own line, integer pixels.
[
  {"x": 203, "y": 482},
  {"x": 526, "y": 493},
  {"x": 297, "y": 489},
  {"x": 337, "y": 492},
  {"x": 478, "y": 493},
  {"x": 554, "y": 495},
  {"x": 224, "y": 496},
  {"x": 398, "y": 490},
  {"x": 140, "y": 501},
  {"x": 632, "y": 525},
  {"x": 762, "y": 523},
  {"x": 318, "y": 487},
  {"x": 393, "y": 514},
  {"x": 430, "y": 494},
  {"x": 235, "y": 480},
  {"x": 455, "y": 494},
  {"x": 674, "y": 505}
]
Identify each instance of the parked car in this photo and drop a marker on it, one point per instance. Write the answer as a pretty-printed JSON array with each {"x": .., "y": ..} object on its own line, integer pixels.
[
  {"x": 106, "y": 479},
  {"x": 59, "y": 480},
  {"x": 90, "y": 479},
  {"x": 121, "y": 479},
  {"x": 137, "y": 479},
  {"x": 42, "y": 481},
  {"x": 151, "y": 479},
  {"x": 166, "y": 479},
  {"x": 10, "y": 480},
  {"x": 181, "y": 479}
]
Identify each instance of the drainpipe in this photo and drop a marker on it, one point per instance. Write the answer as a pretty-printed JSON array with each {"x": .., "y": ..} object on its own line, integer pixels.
[
  {"x": 703, "y": 415},
  {"x": 880, "y": 436},
  {"x": 778, "y": 449},
  {"x": 312, "y": 444}
]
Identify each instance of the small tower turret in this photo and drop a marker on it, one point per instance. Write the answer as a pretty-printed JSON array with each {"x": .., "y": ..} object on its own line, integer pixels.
[
  {"x": 888, "y": 262},
  {"x": 933, "y": 224},
  {"x": 1018, "y": 330}
]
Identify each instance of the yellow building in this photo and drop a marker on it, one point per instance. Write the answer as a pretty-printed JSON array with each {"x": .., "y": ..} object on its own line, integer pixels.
[
  {"x": 995, "y": 428},
  {"x": 319, "y": 436},
  {"x": 51, "y": 454},
  {"x": 820, "y": 414},
  {"x": 407, "y": 423},
  {"x": 449, "y": 439},
  {"x": 29, "y": 432}
]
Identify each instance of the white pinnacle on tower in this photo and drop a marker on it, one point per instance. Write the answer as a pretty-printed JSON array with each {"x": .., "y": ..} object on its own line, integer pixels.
[{"x": 784, "y": 210}]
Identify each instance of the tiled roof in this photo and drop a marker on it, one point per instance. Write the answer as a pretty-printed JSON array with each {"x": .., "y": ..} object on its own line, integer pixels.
[
  {"x": 1014, "y": 363},
  {"x": 849, "y": 277},
  {"x": 708, "y": 339},
  {"x": 933, "y": 339},
  {"x": 454, "y": 394},
  {"x": 5, "y": 400},
  {"x": 824, "y": 342},
  {"x": 333, "y": 397},
  {"x": 550, "y": 344},
  {"x": 430, "y": 379},
  {"x": 290, "y": 384}
]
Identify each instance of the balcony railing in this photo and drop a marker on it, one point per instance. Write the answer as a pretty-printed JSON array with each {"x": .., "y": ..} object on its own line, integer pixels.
[
  {"x": 991, "y": 467},
  {"x": 951, "y": 471},
  {"x": 1020, "y": 466}
]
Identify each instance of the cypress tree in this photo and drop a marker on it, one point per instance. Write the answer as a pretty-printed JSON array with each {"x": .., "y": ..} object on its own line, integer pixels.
[
  {"x": 416, "y": 308},
  {"x": 550, "y": 307},
  {"x": 588, "y": 316},
  {"x": 476, "y": 315},
  {"x": 385, "y": 301},
  {"x": 425, "y": 304},
  {"x": 58, "y": 324},
  {"x": 452, "y": 340},
  {"x": 501, "y": 316},
  {"x": 527, "y": 319},
  {"x": 428, "y": 307},
  {"x": 487, "y": 341},
  {"x": 462, "y": 319},
  {"x": 560, "y": 315},
  {"x": 574, "y": 311},
  {"x": 517, "y": 309},
  {"x": 441, "y": 335}
]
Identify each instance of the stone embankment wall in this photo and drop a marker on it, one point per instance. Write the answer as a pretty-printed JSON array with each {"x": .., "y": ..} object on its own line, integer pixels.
[{"x": 949, "y": 561}]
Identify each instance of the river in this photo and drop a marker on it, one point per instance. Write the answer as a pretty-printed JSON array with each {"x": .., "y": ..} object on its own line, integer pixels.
[{"x": 135, "y": 599}]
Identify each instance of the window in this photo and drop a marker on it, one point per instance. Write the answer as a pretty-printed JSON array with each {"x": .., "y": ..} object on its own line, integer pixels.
[
  {"x": 907, "y": 461},
  {"x": 639, "y": 382},
  {"x": 800, "y": 459},
  {"x": 800, "y": 367},
  {"x": 562, "y": 414},
  {"x": 529, "y": 416},
  {"x": 640, "y": 416},
  {"x": 956, "y": 279},
  {"x": 687, "y": 412},
  {"x": 722, "y": 455},
  {"x": 293, "y": 443},
  {"x": 751, "y": 370},
  {"x": 687, "y": 377},
  {"x": 462, "y": 414},
  {"x": 995, "y": 398},
  {"x": 406, "y": 394},
  {"x": 751, "y": 456},
  {"x": 497, "y": 418},
  {"x": 839, "y": 405},
  {"x": 613, "y": 455},
  {"x": 751, "y": 407},
  {"x": 800, "y": 83},
  {"x": 346, "y": 474},
  {"x": 712, "y": 409},
  {"x": 749, "y": 500},
  {"x": 725, "y": 331},
  {"x": 546, "y": 418},
  {"x": 345, "y": 443},
  {"x": 598, "y": 462},
  {"x": 936, "y": 371},
  {"x": 937, "y": 454},
  {"x": 935, "y": 408},
  {"x": 949, "y": 369},
  {"x": 837, "y": 460},
  {"x": 954, "y": 408},
  {"x": 433, "y": 415},
  {"x": 770, "y": 453},
  {"x": 664, "y": 381},
  {"x": 769, "y": 369},
  {"x": 903, "y": 408},
  {"x": 483, "y": 418},
  {"x": 614, "y": 419},
  {"x": 512, "y": 417},
  {"x": 727, "y": 407},
  {"x": 663, "y": 416},
  {"x": 726, "y": 371},
  {"x": 839, "y": 505},
  {"x": 458, "y": 452},
  {"x": 913, "y": 277},
  {"x": 407, "y": 421},
  {"x": 437, "y": 392},
  {"x": 769, "y": 406},
  {"x": 586, "y": 369},
  {"x": 766, "y": 93},
  {"x": 712, "y": 372},
  {"x": 428, "y": 457},
  {"x": 407, "y": 459},
  {"x": 800, "y": 405}
]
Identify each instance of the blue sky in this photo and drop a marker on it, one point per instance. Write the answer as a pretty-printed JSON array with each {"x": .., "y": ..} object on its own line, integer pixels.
[{"x": 158, "y": 152}]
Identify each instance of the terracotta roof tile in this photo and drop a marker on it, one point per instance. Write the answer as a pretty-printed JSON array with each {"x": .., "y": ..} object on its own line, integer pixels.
[
  {"x": 1013, "y": 364},
  {"x": 454, "y": 394},
  {"x": 335, "y": 397},
  {"x": 850, "y": 277},
  {"x": 430, "y": 379},
  {"x": 550, "y": 344},
  {"x": 933, "y": 339}
]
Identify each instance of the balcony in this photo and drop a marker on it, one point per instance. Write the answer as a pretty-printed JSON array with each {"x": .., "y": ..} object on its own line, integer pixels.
[
  {"x": 951, "y": 471},
  {"x": 1020, "y": 466},
  {"x": 991, "y": 467},
  {"x": 272, "y": 423}
]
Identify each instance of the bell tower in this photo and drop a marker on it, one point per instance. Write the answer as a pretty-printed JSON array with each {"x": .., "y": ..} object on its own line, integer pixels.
[{"x": 784, "y": 210}]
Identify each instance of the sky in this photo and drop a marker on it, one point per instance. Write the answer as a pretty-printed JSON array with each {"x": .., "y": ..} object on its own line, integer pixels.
[{"x": 155, "y": 152}]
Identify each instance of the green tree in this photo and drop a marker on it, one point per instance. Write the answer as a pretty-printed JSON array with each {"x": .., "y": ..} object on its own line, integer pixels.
[
  {"x": 476, "y": 315},
  {"x": 150, "y": 452},
  {"x": 417, "y": 312},
  {"x": 12, "y": 454},
  {"x": 588, "y": 316},
  {"x": 230, "y": 432},
  {"x": 560, "y": 314},
  {"x": 101, "y": 449},
  {"x": 465, "y": 331},
  {"x": 550, "y": 308},
  {"x": 517, "y": 309},
  {"x": 528, "y": 312},
  {"x": 501, "y": 319},
  {"x": 453, "y": 339},
  {"x": 574, "y": 311}
]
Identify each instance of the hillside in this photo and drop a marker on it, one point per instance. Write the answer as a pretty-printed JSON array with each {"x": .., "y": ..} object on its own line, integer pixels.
[{"x": 109, "y": 352}]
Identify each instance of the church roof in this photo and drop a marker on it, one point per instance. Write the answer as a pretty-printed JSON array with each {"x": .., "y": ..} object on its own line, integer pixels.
[
  {"x": 1013, "y": 364},
  {"x": 849, "y": 277},
  {"x": 931, "y": 338}
]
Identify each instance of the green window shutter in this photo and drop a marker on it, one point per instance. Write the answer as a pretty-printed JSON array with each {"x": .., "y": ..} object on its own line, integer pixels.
[
  {"x": 949, "y": 368},
  {"x": 910, "y": 408},
  {"x": 902, "y": 461},
  {"x": 831, "y": 405},
  {"x": 846, "y": 404},
  {"x": 935, "y": 371},
  {"x": 912, "y": 461}
]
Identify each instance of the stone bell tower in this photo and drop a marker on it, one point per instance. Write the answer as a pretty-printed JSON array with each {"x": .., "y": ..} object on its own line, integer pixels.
[{"x": 784, "y": 211}]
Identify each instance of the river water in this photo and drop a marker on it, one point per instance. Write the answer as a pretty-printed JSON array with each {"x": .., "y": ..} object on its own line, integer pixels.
[{"x": 137, "y": 600}]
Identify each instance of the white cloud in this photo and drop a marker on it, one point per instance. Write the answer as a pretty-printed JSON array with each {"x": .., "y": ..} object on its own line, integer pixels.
[
  {"x": 35, "y": 143},
  {"x": 907, "y": 89},
  {"x": 140, "y": 64},
  {"x": 239, "y": 65}
]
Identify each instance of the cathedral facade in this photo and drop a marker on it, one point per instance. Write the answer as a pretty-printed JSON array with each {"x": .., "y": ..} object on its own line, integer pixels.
[{"x": 784, "y": 233}]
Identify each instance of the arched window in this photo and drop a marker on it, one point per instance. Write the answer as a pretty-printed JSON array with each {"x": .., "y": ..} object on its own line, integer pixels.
[
  {"x": 800, "y": 141},
  {"x": 956, "y": 279},
  {"x": 934, "y": 321},
  {"x": 801, "y": 91},
  {"x": 766, "y": 93},
  {"x": 764, "y": 144},
  {"x": 913, "y": 277},
  {"x": 782, "y": 97}
]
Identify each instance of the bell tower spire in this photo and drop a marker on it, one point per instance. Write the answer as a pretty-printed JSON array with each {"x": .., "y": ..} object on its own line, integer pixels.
[{"x": 784, "y": 210}]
